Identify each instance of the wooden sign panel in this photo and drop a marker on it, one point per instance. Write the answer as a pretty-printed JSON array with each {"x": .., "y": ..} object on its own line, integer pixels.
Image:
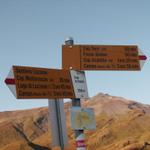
[
  {"x": 30, "y": 83},
  {"x": 100, "y": 57}
]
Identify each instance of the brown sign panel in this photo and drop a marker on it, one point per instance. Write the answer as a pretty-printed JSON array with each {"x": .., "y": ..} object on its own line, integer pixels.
[
  {"x": 100, "y": 57},
  {"x": 42, "y": 83}
]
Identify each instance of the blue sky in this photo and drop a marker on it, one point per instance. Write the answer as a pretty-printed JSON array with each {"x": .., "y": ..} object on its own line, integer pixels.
[{"x": 32, "y": 32}]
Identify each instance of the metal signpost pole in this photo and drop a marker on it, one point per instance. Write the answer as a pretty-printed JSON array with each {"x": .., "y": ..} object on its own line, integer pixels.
[
  {"x": 79, "y": 134},
  {"x": 57, "y": 120}
]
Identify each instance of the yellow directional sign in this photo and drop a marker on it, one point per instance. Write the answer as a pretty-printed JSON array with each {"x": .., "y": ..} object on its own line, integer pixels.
[
  {"x": 30, "y": 83},
  {"x": 101, "y": 57}
]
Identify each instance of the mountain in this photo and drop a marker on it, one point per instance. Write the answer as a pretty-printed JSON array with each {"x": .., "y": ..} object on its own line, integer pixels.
[{"x": 121, "y": 125}]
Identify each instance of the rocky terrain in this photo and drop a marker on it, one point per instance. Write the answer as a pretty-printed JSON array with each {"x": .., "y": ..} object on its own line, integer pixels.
[{"x": 121, "y": 125}]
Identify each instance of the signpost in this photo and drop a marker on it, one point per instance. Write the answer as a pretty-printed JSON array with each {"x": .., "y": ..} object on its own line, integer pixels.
[
  {"x": 54, "y": 84},
  {"x": 97, "y": 57},
  {"x": 82, "y": 118},
  {"x": 102, "y": 57},
  {"x": 58, "y": 123},
  {"x": 76, "y": 103},
  {"x": 79, "y": 84},
  {"x": 42, "y": 83}
]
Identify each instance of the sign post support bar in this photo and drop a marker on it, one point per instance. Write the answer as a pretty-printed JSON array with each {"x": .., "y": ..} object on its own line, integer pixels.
[
  {"x": 79, "y": 134},
  {"x": 58, "y": 123}
]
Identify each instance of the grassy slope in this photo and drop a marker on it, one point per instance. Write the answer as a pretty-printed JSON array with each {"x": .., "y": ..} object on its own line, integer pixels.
[{"x": 121, "y": 125}]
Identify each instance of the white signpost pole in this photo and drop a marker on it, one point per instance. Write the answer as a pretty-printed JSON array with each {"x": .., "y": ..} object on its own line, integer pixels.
[
  {"x": 58, "y": 123},
  {"x": 79, "y": 134}
]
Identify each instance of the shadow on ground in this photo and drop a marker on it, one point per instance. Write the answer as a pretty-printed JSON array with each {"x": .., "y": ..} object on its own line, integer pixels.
[
  {"x": 32, "y": 145},
  {"x": 38, "y": 147}
]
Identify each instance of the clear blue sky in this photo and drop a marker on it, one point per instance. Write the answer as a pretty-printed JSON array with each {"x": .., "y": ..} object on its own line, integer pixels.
[{"x": 32, "y": 32}]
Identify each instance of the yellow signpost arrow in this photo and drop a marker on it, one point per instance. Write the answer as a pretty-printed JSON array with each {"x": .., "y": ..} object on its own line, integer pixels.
[{"x": 102, "y": 57}]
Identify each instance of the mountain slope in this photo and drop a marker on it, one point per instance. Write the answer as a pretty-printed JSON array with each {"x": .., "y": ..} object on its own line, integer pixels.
[{"x": 121, "y": 125}]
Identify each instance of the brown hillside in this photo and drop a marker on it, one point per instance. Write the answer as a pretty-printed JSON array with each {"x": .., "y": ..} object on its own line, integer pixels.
[{"x": 121, "y": 125}]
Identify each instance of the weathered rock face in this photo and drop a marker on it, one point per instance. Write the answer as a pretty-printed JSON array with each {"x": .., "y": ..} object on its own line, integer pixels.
[{"x": 121, "y": 125}]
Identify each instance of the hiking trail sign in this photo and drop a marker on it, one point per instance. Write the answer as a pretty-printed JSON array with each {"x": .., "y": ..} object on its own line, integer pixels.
[
  {"x": 102, "y": 57},
  {"x": 82, "y": 118},
  {"x": 42, "y": 83}
]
